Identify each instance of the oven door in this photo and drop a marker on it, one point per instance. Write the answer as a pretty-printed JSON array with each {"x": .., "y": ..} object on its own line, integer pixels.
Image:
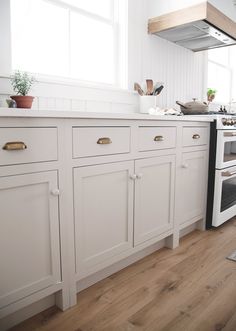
[
  {"x": 224, "y": 196},
  {"x": 226, "y": 149}
]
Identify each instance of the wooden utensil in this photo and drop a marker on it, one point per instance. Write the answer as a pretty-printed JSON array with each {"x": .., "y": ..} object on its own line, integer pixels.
[
  {"x": 149, "y": 86},
  {"x": 138, "y": 88}
]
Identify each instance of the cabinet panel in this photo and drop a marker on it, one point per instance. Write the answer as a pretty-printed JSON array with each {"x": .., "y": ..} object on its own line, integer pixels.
[
  {"x": 191, "y": 186},
  {"x": 154, "y": 197},
  {"x": 155, "y": 138},
  {"x": 103, "y": 203},
  {"x": 40, "y": 144},
  {"x": 29, "y": 235},
  {"x": 95, "y": 141},
  {"x": 195, "y": 136}
]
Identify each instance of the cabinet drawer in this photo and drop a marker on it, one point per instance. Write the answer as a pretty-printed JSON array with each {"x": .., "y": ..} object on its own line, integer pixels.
[
  {"x": 153, "y": 138},
  {"x": 30, "y": 145},
  {"x": 195, "y": 136},
  {"x": 97, "y": 141}
]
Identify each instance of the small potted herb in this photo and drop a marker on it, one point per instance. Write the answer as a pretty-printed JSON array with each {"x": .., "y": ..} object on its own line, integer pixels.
[
  {"x": 211, "y": 93},
  {"x": 22, "y": 83}
]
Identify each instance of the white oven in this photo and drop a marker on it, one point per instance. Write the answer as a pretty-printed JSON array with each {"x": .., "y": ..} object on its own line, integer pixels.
[
  {"x": 226, "y": 149},
  {"x": 221, "y": 198},
  {"x": 224, "y": 206}
]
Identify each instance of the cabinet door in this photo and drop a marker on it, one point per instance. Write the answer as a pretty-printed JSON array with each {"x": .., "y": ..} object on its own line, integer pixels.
[
  {"x": 29, "y": 235},
  {"x": 191, "y": 185},
  {"x": 154, "y": 195},
  {"x": 103, "y": 205}
]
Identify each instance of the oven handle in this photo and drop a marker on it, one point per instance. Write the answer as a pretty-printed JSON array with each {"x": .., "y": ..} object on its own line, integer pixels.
[
  {"x": 228, "y": 173},
  {"x": 229, "y": 134}
]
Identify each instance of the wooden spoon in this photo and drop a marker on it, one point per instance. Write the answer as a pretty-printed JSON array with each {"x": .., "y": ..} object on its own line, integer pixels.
[
  {"x": 149, "y": 86},
  {"x": 138, "y": 88}
]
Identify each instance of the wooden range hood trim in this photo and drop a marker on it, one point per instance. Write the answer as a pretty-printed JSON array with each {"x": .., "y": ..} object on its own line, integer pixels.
[{"x": 203, "y": 11}]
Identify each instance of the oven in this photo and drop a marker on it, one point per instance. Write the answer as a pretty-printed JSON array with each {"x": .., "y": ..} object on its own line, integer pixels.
[
  {"x": 224, "y": 206},
  {"x": 221, "y": 198},
  {"x": 226, "y": 149}
]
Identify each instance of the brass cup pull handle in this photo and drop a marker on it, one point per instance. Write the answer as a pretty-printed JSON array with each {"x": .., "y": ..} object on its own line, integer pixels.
[
  {"x": 104, "y": 141},
  {"x": 14, "y": 146},
  {"x": 228, "y": 173},
  {"x": 159, "y": 138},
  {"x": 196, "y": 136}
]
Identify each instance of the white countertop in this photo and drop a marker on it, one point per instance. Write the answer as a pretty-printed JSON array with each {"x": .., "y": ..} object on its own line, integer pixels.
[{"x": 12, "y": 112}]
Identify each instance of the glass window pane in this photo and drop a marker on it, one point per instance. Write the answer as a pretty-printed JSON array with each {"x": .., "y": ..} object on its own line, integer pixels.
[
  {"x": 219, "y": 55},
  {"x": 40, "y": 37},
  {"x": 232, "y": 51},
  {"x": 228, "y": 196},
  {"x": 92, "y": 50},
  {"x": 219, "y": 79},
  {"x": 99, "y": 7}
]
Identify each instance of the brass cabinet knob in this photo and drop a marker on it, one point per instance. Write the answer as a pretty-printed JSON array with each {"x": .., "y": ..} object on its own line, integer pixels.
[
  {"x": 14, "y": 146},
  {"x": 196, "y": 136},
  {"x": 104, "y": 141}
]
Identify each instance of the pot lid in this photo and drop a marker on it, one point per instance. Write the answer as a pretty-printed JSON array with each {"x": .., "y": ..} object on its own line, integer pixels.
[{"x": 197, "y": 105}]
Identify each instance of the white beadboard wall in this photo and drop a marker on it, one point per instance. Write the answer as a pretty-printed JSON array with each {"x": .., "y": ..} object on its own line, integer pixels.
[{"x": 181, "y": 71}]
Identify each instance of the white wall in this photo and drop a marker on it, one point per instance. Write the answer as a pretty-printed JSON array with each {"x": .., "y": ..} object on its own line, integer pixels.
[{"x": 179, "y": 69}]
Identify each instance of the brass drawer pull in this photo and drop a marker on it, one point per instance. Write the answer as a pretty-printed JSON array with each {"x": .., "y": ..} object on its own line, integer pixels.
[
  {"x": 14, "y": 146},
  {"x": 196, "y": 136},
  {"x": 229, "y": 134},
  {"x": 159, "y": 138},
  {"x": 104, "y": 141},
  {"x": 228, "y": 173}
]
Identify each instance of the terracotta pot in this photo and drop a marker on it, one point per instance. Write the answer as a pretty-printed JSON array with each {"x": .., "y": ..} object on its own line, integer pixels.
[{"x": 23, "y": 101}]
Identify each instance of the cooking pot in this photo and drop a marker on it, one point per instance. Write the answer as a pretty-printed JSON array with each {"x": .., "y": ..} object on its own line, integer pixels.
[{"x": 193, "y": 107}]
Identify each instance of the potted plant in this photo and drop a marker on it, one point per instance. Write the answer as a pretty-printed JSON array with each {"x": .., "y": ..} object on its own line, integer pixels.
[
  {"x": 22, "y": 83},
  {"x": 211, "y": 93}
]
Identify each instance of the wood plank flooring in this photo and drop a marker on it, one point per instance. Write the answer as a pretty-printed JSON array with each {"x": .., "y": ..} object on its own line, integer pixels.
[{"x": 191, "y": 288}]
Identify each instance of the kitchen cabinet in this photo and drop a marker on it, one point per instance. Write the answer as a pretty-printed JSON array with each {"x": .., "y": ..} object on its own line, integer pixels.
[
  {"x": 191, "y": 185},
  {"x": 103, "y": 204},
  {"x": 81, "y": 198},
  {"x": 29, "y": 235},
  {"x": 154, "y": 197}
]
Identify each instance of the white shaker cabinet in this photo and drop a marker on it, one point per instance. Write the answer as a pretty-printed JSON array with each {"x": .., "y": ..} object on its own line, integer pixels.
[
  {"x": 191, "y": 185},
  {"x": 103, "y": 205},
  {"x": 29, "y": 235},
  {"x": 154, "y": 197}
]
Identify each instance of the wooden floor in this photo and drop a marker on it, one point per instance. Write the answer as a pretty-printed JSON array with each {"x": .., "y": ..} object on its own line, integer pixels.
[{"x": 192, "y": 288}]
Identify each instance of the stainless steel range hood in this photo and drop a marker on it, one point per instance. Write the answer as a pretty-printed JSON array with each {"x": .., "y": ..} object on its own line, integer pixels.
[{"x": 197, "y": 28}]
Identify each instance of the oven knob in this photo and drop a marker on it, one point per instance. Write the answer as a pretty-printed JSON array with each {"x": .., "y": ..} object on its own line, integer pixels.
[{"x": 224, "y": 121}]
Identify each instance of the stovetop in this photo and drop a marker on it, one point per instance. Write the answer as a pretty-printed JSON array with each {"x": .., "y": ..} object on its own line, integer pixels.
[{"x": 224, "y": 120}]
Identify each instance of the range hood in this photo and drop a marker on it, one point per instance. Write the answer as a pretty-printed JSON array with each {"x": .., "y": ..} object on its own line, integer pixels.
[{"x": 197, "y": 28}]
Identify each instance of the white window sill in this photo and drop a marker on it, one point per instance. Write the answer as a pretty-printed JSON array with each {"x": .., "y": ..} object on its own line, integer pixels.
[{"x": 78, "y": 83}]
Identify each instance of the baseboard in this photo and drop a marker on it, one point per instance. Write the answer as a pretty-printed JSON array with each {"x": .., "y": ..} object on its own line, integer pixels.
[
  {"x": 187, "y": 230},
  {"x": 13, "y": 319},
  {"x": 90, "y": 280}
]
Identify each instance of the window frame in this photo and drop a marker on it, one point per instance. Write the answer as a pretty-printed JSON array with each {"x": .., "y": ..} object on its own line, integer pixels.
[
  {"x": 120, "y": 37},
  {"x": 232, "y": 75}
]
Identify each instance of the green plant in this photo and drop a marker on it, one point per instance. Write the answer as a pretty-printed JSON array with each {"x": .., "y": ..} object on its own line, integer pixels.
[
  {"x": 211, "y": 94},
  {"x": 22, "y": 82}
]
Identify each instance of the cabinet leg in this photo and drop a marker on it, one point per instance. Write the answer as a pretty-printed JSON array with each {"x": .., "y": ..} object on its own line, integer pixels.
[
  {"x": 62, "y": 300},
  {"x": 201, "y": 225},
  {"x": 172, "y": 241}
]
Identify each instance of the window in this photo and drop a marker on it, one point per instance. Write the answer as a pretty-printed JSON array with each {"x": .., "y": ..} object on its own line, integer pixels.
[
  {"x": 79, "y": 39},
  {"x": 222, "y": 74}
]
